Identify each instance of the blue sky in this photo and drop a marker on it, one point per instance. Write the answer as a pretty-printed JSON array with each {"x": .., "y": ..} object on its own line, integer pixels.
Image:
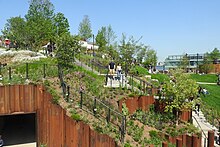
[{"x": 171, "y": 27}]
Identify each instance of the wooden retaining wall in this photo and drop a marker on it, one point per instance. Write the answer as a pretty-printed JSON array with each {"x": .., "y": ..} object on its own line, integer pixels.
[
  {"x": 144, "y": 103},
  {"x": 185, "y": 140},
  {"x": 216, "y": 68},
  {"x": 134, "y": 103},
  {"x": 54, "y": 127}
]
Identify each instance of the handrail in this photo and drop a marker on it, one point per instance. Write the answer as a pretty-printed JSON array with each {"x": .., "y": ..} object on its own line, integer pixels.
[
  {"x": 200, "y": 127},
  {"x": 98, "y": 64}
]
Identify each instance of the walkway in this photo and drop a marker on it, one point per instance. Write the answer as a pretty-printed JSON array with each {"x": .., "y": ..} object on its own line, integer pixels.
[
  {"x": 200, "y": 122},
  {"x": 79, "y": 63},
  {"x": 205, "y": 83},
  {"x": 113, "y": 82}
]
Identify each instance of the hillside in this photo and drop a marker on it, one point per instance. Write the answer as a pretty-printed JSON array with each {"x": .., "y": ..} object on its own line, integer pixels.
[{"x": 82, "y": 93}]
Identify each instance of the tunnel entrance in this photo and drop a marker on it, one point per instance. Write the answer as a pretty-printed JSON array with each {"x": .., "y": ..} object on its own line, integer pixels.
[{"x": 18, "y": 129}]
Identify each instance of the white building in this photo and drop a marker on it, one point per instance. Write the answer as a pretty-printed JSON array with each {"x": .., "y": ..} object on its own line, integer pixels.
[{"x": 88, "y": 46}]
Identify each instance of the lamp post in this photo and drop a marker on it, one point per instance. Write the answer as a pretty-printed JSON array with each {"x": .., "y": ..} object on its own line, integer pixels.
[
  {"x": 197, "y": 64},
  {"x": 93, "y": 45}
]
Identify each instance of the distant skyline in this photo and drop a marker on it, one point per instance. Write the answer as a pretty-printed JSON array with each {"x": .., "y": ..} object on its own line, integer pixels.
[{"x": 171, "y": 27}]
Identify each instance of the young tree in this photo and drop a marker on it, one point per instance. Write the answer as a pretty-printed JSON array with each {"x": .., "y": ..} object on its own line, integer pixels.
[
  {"x": 105, "y": 39},
  {"x": 15, "y": 30},
  {"x": 39, "y": 22},
  {"x": 127, "y": 50},
  {"x": 141, "y": 53},
  {"x": 85, "y": 30},
  {"x": 110, "y": 35},
  {"x": 180, "y": 92},
  {"x": 67, "y": 46},
  {"x": 61, "y": 24},
  {"x": 101, "y": 40},
  {"x": 207, "y": 65},
  {"x": 214, "y": 55},
  {"x": 150, "y": 57}
]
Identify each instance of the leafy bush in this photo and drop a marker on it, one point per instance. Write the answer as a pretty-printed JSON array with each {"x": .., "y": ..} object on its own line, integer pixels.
[
  {"x": 153, "y": 133},
  {"x": 75, "y": 115},
  {"x": 127, "y": 145}
]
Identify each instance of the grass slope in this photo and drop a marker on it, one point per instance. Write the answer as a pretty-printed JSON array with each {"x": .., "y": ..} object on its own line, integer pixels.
[
  {"x": 213, "y": 98},
  {"x": 209, "y": 78}
]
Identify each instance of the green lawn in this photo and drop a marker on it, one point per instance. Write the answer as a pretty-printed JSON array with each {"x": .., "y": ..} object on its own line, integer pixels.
[
  {"x": 210, "y": 78},
  {"x": 160, "y": 77},
  {"x": 213, "y": 98}
]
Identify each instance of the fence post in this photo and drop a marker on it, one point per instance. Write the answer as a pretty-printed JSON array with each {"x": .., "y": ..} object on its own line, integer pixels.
[
  {"x": 44, "y": 70},
  {"x": 122, "y": 83},
  {"x": 108, "y": 116},
  {"x": 122, "y": 129},
  {"x": 81, "y": 99},
  {"x": 92, "y": 65},
  {"x": 26, "y": 70},
  {"x": 144, "y": 85},
  {"x": 9, "y": 70},
  {"x": 219, "y": 132},
  {"x": 0, "y": 68},
  {"x": 132, "y": 82},
  {"x": 106, "y": 79},
  {"x": 211, "y": 139},
  {"x": 205, "y": 142},
  {"x": 164, "y": 144},
  {"x": 94, "y": 107},
  {"x": 179, "y": 142},
  {"x": 68, "y": 93}
]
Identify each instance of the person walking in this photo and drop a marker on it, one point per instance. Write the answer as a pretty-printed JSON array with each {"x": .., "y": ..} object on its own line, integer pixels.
[
  {"x": 118, "y": 69},
  {"x": 111, "y": 68}
]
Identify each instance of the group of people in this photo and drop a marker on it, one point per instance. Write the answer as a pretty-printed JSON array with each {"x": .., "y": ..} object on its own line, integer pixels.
[
  {"x": 113, "y": 68},
  {"x": 203, "y": 91}
]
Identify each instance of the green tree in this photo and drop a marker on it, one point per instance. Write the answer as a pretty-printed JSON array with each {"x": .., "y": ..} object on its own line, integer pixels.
[
  {"x": 67, "y": 46},
  {"x": 214, "y": 55},
  {"x": 85, "y": 31},
  {"x": 101, "y": 40},
  {"x": 141, "y": 53},
  {"x": 150, "y": 57},
  {"x": 61, "y": 24},
  {"x": 180, "y": 92},
  {"x": 207, "y": 65},
  {"x": 110, "y": 35},
  {"x": 39, "y": 22},
  {"x": 105, "y": 40},
  {"x": 127, "y": 50},
  {"x": 15, "y": 30}
]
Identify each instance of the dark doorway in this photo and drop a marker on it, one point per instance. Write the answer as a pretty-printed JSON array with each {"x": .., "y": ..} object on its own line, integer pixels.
[{"x": 18, "y": 129}]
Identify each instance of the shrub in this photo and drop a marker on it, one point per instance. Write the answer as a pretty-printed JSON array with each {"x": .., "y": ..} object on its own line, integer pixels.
[
  {"x": 75, "y": 116},
  {"x": 127, "y": 144},
  {"x": 153, "y": 133}
]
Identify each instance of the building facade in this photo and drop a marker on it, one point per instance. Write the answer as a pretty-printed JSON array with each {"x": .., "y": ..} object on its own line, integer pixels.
[{"x": 174, "y": 61}]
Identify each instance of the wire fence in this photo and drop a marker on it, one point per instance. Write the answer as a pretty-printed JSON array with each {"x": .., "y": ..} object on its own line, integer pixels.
[
  {"x": 143, "y": 86},
  {"x": 31, "y": 71},
  {"x": 36, "y": 71},
  {"x": 88, "y": 102}
]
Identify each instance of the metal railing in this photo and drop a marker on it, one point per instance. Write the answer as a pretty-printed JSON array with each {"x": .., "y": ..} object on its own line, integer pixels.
[
  {"x": 205, "y": 137},
  {"x": 31, "y": 71},
  {"x": 97, "y": 107}
]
